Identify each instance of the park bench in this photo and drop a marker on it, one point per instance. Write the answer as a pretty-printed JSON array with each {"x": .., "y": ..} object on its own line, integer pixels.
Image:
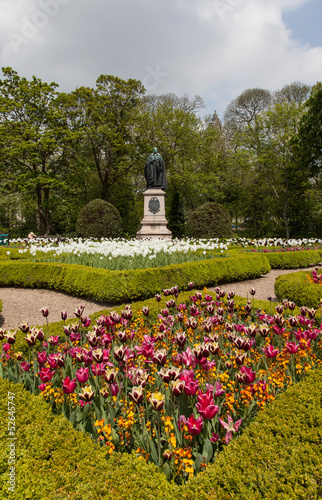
[{"x": 4, "y": 239}]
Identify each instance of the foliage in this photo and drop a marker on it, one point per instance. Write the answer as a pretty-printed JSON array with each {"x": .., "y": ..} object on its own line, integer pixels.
[
  {"x": 210, "y": 220},
  {"x": 106, "y": 116},
  {"x": 99, "y": 219},
  {"x": 298, "y": 288},
  {"x": 294, "y": 260},
  {"x": 278, "y": 456},
  {"x": 309, "y": 139},
  {"x": 66, "y": 463},
  {"x": 37, "y": 141},
  {"x": 120, "y": 286},
  {"x": 174, "y": 389}
]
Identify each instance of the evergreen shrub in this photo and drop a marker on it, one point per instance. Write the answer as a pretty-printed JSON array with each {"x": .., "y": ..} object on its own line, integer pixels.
[
  {"x": 210, "y": 220},
  {"x": 117, "y": 287},
  {"x": 55, "y": 462},
  {"x": 99, "y": 219},
  {"x": 297, "y": 288},
  {"x": 279, "y": 456},
  {"x": 294, "y": 260}
]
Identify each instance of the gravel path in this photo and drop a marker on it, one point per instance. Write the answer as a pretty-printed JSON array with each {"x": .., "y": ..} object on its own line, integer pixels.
[{"x": 25, "y": 304}]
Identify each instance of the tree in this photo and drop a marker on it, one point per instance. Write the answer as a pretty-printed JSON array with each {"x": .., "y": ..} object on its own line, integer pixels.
[
  {"x": 308, "y": 143},
  {"x": 263, "y": 129},
  {"x": 106, "y": 116},
  {"x": 37, "y": 141}
]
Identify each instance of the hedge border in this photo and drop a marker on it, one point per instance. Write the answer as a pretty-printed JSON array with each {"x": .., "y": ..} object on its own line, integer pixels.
[
  {"x": 295, "y": 287},
  {"x": 118, "y": 287},
  {"x": 271, "y": 459},
  {"x": 294, "y": 260},
  {"x": 55, "y": 462},
  {"x": 279, "y": 455}
]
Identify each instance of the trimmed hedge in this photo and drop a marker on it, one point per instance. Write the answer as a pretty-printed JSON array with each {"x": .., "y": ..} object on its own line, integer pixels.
[
  {"x": 55, "y": 462},
  {"x": 294, "y": 260},
  {"x": 279, "y": 456},
  {"x": 295, "y": 287},
  {"x": 124, "y": 286}
]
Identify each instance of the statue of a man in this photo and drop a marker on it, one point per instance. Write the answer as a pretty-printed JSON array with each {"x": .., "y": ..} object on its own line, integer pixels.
[{"x": 154, "y": 171}]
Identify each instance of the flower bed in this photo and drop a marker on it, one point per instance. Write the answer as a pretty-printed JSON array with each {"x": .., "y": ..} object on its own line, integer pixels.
[{"x": 174, "y": 390}]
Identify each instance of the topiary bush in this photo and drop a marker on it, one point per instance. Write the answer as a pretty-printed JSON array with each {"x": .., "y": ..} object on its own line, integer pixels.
[
  {"x": 210, "y": 220},
  {"x": 99, "y": 219}
]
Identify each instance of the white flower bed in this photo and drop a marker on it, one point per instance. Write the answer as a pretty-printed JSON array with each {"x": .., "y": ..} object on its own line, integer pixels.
[{"x": 123, "y": 248}]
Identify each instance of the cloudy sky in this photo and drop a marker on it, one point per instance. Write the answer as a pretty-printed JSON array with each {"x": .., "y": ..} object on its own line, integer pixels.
[{"x": 212, "y": 48}]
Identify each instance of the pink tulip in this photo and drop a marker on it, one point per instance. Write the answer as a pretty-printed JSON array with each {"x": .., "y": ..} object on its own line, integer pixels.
[
  {"x": 25, "y": 366},
  {"x": 45, "y": 374},
  {"x": 292, "y": 347},
  {"x": 214, "y": 438},
  {"x": 69, "y": 385},
  {"x": 195, "y": 425},
  {"x": 270, "y": 352},
  {"x": 53, "y": 340},
  {"x": 82, "y": 375},
  {"x": 205, "y": 405},
  {"x": 6, "y": 347},
  {"x": 248, "y": 375},
  {"x": 230, "y": 427}
]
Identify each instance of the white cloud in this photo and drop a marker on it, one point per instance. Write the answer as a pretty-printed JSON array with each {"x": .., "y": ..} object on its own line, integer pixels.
[{"x": 215, "y": 48}]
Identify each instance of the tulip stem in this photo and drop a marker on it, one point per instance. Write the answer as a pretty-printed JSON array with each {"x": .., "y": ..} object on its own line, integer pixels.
[{"x": 159, "y": 441}]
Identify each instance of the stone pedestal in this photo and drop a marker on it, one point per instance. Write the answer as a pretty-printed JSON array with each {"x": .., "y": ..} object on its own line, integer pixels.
[{"x": 154, "y": 223}]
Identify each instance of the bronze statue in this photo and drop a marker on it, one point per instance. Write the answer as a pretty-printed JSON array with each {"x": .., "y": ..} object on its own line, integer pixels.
[{"x": 154, "y": 171}]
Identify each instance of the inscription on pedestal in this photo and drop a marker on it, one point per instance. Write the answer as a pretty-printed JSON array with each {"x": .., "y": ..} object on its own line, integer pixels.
[{"x": 154, "y": 205}]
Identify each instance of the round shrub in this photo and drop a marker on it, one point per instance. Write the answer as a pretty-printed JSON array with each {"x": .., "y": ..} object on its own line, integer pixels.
[
  {"x": 99, "y": 219},
  {"x": 210, "y": 220}
]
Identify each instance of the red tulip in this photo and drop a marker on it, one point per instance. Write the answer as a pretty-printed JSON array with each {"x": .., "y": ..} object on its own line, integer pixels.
[
  {"x": 42, "y": 357},
  {"x": 63, "y": 315},
  {"x": 87, "y": 394},
  {"x": 31, "y": 339},
  {"x": 69, "y": 385},
  {"x": 82, "y": 375},
  {"x": 157, "y": 400},
  {"x": 205, "y": 405},
  {"x": 45, "y": 374},
  {"x": 25, "y": 366},
  {"x": 177, "y": 387},
  {"x": 136, "y": 394},
  {"x": 195, "y": 425}
]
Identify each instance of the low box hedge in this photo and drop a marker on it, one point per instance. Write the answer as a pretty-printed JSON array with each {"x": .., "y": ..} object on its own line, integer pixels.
[
  {"x": 52, "y": 461},
  {"x": 279, "y": 456},
  {"x": 296, "y": 287},
  {"x": 294, "y": 260},
  {"x": 123, "y": 286}
]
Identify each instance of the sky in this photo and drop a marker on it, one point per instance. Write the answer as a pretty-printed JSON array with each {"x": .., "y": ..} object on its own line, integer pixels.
[{"x": 212, "y": 48}]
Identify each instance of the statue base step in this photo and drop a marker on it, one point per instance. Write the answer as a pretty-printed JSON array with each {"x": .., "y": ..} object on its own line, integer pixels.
[{"x": 154, "y": 223}]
